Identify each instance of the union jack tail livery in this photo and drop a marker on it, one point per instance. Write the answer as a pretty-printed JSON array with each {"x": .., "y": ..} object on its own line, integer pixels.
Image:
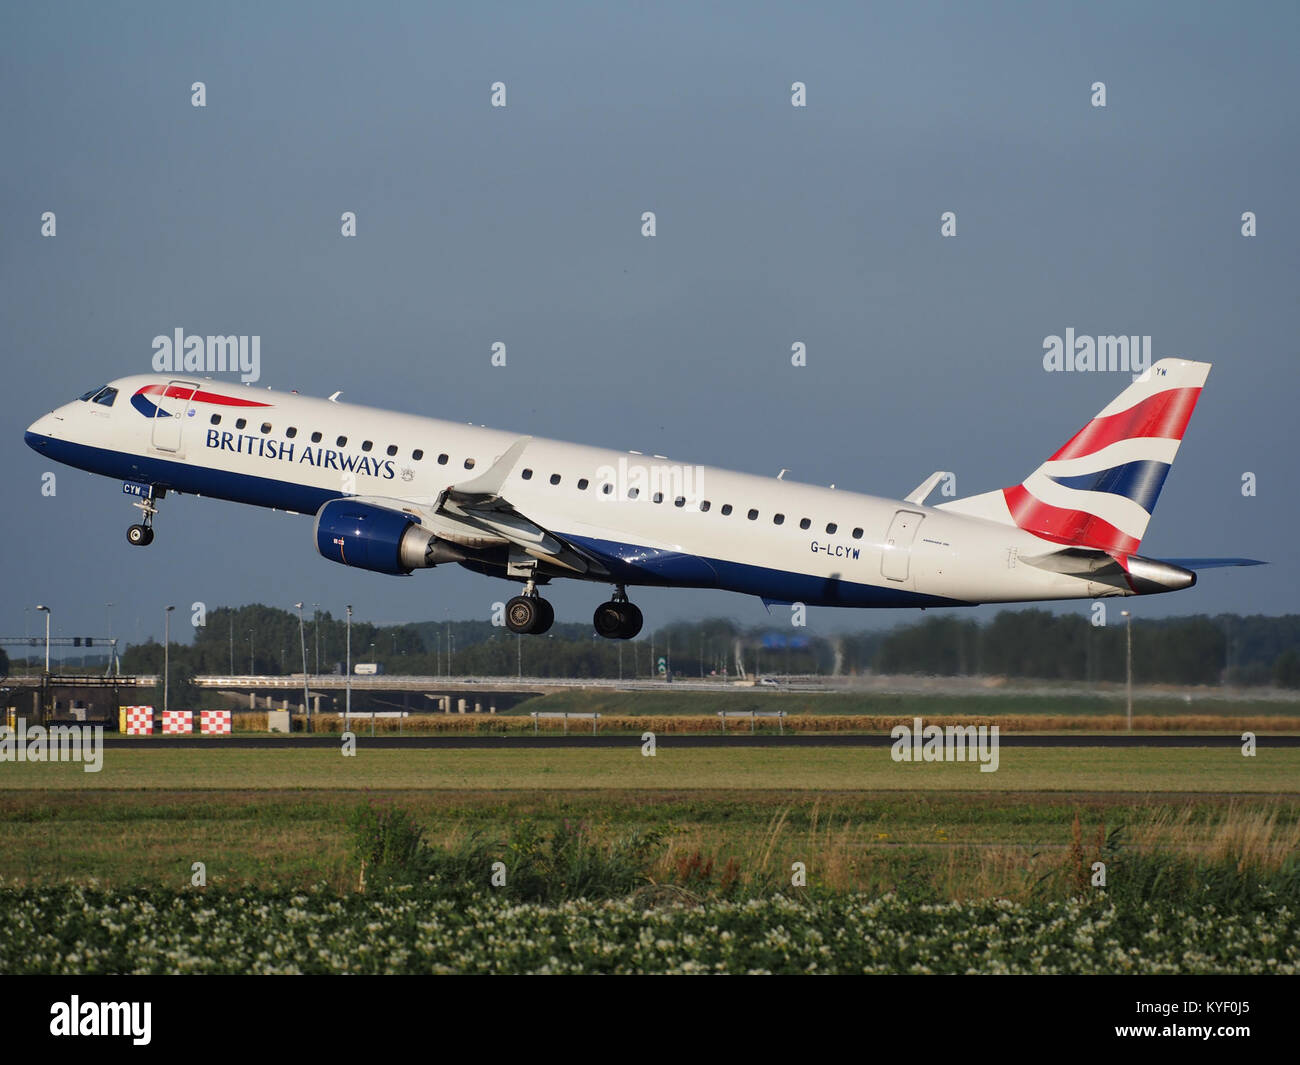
[{"x": 1099, "y": 489}]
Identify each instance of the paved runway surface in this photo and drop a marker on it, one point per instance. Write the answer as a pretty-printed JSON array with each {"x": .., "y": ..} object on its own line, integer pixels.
[{"x": 668, "y": 739}]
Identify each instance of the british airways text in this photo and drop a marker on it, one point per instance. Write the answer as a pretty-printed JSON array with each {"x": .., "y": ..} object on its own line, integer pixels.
[{"x": 325, "y": 458}]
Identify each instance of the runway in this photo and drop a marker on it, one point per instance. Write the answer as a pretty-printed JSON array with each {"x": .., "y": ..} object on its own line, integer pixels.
[{"x": 667, "y": 740}]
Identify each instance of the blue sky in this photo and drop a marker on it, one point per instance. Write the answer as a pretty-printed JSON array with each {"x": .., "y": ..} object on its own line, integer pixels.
[{"x": 775, "y": 224}]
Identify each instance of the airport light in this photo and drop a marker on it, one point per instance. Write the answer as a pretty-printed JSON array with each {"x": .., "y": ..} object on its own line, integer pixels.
[
  {"x": 347, "y": 706},
  {"x": 47, "y": 635},
  {"x": 306, "y": 695},
  {"x": 1128, "y": 664},
  {"x": 167, "y": 645}
]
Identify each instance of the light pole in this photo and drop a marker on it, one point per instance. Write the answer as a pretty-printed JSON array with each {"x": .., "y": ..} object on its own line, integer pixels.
[
  {"x": 315, "y": 630},
  {"x": 251, "y": 657},
  {"x": 47, "y": 635},
  {"x": 1128, "y": 664},
  {"x": 167, "y": 646},
  {"x": 306, "y": 695},
  {"x": 347, "y": 706}
]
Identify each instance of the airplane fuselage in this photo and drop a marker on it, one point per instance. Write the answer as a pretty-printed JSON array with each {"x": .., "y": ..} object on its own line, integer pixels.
[{"x": 637, "y": 519}]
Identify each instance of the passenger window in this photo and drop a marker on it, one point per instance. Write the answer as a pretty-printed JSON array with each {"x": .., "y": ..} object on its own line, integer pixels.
[
  {"x": 607, "y": 488},
  {"x": 417, "y": 454},
  {"x": 680, "y": 501},
  {"x": 266, "y": 427},
  {"x": 704, "y": 506},
  {"x": 804, "y": 523},
  {"x": 366, "y": 445},
  {"x": 392, "y": 449},
  {"x": 658, "y": 497},
  {"x": 726, "y": 509},
  {"x": 753, "y": 515},
  {"x": 778, "y": 519},
  {"x": 857, "y": 534},
  {"x": 555, "y": 478},
  {"x": 582, "y": 484},
  {"x": 315, "y": 438},
  {"x": 291, "y": 432},
  {"x": 831, "y": 527},
  {"x": 442, "y": 460},
  {"x": 469, "y": 464},
  {"x": 240, "y": 422},
  {"x": 632, "y": 493},
  {"x": 527, "y": 475},
  {"x": 215, "y": 419},
  {"x": 342, "y": 441}
]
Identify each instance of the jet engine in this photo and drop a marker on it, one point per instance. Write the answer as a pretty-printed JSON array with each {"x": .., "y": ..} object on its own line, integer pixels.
[{"x": 378, "y": 539}]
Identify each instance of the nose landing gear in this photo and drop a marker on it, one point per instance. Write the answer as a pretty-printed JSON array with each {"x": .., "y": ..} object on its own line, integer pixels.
[{"x": 141, "y": 535}]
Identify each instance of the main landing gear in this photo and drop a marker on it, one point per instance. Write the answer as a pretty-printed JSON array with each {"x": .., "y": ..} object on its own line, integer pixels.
[
  {"x": 529, "y": 614},
  {"x": 618, "y": 619},
  {"x": 141, "y": 535}
]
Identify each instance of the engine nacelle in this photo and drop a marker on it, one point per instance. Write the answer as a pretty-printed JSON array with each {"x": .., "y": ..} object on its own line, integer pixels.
[{"x": 378, "y": 539}]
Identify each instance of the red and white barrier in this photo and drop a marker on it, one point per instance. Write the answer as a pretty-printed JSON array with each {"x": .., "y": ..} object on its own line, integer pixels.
[
  {"x": 214, "y": 722},
  {"x": 137, "y": 720},
  {"x": 177, "y": 722}
]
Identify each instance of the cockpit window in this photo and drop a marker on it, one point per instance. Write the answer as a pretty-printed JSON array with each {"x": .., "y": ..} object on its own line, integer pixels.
[
  {"x": 105, "y": 396},
  {"x": 92, "y": 393}
]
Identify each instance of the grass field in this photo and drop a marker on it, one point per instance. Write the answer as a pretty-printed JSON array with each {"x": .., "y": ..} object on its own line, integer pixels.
[
  {"x": 795, "y": 770},
  {"x": 277, "y": 816},
  {"x": 936, "y": 867}
]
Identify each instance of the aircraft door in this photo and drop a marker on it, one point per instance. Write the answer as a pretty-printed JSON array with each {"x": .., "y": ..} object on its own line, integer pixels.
[
  {"x": 896, "y": 558},
  {"x": 169, "y": 420}
]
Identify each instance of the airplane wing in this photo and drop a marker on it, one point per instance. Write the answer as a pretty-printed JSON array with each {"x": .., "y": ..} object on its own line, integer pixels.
[{"x": 475, "y": 514}]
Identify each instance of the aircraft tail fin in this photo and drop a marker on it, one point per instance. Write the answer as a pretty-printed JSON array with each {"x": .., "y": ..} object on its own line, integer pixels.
[{"x": 1098, "y": 490}]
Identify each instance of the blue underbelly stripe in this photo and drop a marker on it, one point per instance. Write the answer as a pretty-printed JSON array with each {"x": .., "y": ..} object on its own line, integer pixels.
[{"x": 627, "y": 563}]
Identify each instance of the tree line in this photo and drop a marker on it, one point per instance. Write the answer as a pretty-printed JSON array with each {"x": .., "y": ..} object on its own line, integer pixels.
[{"x": 1221, "y": 649}]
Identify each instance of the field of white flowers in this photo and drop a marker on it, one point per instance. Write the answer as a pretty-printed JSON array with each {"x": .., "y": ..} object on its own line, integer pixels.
[{"x": 73, "y": 929}]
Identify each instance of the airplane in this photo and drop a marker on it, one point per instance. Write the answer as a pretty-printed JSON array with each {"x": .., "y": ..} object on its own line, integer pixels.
[{"x": 393, "y": 492}]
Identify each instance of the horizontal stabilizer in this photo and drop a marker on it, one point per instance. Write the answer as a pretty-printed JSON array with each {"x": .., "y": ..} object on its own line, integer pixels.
[{"x": 1214, "y": 563}]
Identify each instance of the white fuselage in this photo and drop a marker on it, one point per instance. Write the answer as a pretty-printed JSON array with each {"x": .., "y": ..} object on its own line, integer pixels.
[{"x": 777, "y": 539}]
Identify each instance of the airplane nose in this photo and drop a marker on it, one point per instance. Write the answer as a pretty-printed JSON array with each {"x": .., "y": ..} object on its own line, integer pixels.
[{"x": 38, "y": 433}]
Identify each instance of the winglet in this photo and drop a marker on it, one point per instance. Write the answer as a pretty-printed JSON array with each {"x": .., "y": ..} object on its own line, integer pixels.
[{"x": 488, "y": 484}]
